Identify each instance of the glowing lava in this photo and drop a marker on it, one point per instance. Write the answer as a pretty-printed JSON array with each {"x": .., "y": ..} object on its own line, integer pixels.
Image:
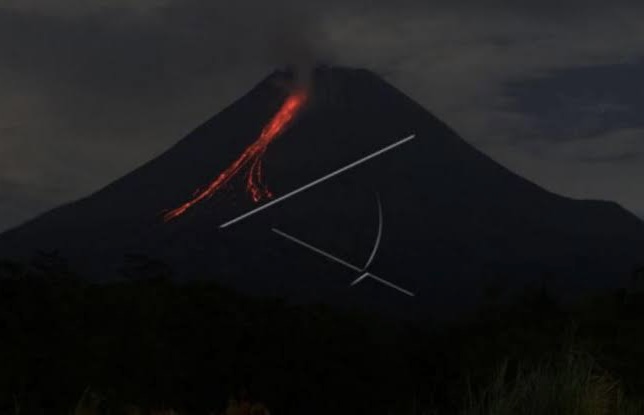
[{"x": 252, "y": 155}]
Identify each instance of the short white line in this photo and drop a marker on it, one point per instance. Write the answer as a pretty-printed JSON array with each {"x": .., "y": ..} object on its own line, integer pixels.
[
  {"x": 392, "y": 285},
  {"x": 360, "y": 278},
  {"x": 317, "y": 250},
  {"x": 318, "y": 181}
]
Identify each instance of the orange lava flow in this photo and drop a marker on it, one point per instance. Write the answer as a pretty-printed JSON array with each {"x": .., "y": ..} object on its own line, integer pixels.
[{"x": 252, "y": 155}]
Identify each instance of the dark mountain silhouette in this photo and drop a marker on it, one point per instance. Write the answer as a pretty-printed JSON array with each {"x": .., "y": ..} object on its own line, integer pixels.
[{"x": 455, "y": 224}]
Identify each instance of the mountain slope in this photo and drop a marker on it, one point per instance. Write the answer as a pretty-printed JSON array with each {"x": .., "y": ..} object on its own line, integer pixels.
[{"x": 454, "y": 222}]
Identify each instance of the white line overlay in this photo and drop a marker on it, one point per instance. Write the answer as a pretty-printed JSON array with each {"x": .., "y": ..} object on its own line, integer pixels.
[
  {"x": 316, "y": 250},
  {"x": 318, "y": 181},
  {"x": 360, "y": 278},
  {"x": 390, "y": 284},
  {"x": 343, "y": 262}
]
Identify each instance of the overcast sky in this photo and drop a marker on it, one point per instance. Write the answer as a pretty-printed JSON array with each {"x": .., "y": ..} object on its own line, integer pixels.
[{"x": 90, "y": 89}]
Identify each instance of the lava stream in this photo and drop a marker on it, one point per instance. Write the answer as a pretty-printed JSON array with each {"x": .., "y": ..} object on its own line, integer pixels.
[{"x": 252, "y": 155}]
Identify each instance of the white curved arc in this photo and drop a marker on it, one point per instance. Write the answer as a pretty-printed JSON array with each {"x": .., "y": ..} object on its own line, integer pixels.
[{"x": 378, "y": 236}]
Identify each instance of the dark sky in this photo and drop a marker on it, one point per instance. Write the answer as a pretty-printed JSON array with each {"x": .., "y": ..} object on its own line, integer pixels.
[{"x": 554, "y": 90}]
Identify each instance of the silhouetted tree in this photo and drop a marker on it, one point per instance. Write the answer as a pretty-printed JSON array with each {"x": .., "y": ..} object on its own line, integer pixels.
[
  {"x": 138, "y": 267},
  {"x": 11, "y": 269},
  {"x": 635, "y": 286},
  {"x": 50, "y": 264}
]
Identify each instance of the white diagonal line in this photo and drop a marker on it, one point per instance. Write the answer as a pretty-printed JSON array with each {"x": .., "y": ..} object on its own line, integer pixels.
[
  {"x": 360, "y": 278},
  {"x": 314, "y": 249},
  {"x": 392, "y": 285},
  {"x": 318, "y": 181},
  {"x": 342, "y": 262}
]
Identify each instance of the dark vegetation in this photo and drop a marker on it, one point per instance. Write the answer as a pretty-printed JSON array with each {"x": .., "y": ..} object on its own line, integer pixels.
[{"x": 160, "y": 344}]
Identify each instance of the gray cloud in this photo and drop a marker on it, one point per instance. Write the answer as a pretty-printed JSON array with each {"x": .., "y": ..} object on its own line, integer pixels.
[
  {"x": 617, "y": 147},
  {"x": 93, "y": 88}
]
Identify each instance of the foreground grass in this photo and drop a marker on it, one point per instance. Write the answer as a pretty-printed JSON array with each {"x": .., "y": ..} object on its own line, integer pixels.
[
  {"x": 573, "y": 386},
  {"x": 191, "y": 346}
]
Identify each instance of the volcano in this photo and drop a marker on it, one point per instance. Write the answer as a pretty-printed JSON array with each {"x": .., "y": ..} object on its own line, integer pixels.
[{"x": 375, "y": 204}]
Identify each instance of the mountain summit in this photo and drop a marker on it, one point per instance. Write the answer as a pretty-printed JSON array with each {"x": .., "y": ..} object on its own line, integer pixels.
[{"x": 371, "y": 203}]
